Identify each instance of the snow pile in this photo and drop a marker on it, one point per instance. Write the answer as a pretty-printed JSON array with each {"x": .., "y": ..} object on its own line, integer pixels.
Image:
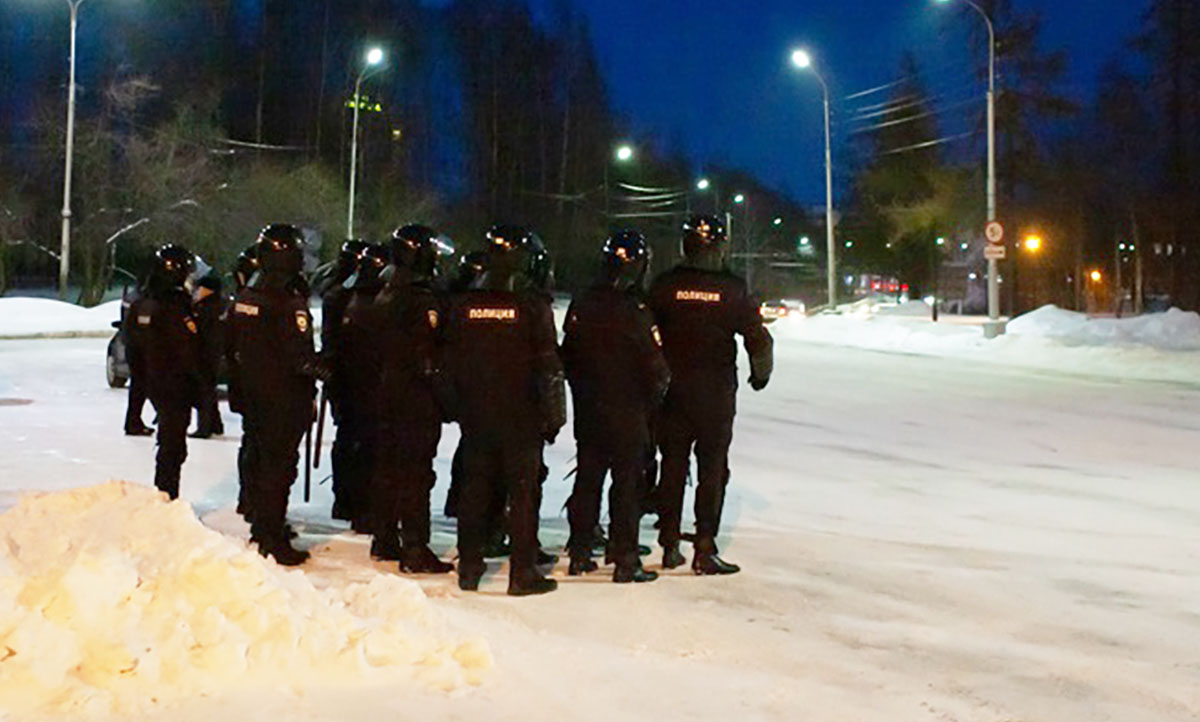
[
  {"x": 1174, "y": 330},
  {"x": 23, "y": 317},
  {"x": 112, "y": 599}
]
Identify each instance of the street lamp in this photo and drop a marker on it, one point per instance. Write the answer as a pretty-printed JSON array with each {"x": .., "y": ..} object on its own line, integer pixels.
[
  {"x": 803, "y": 60},
  {"x": 993, "y": 271},
  {"x": 703, "y": 184},
  {"x": 624, "y": 153},
  {"x": 64, "y": 257},
  {"x": 1033, "y": 244},
  {"x": 1097, "y": 276},
  {"x": 739, "y": 199},
  {"x": 373, "y": 59}
]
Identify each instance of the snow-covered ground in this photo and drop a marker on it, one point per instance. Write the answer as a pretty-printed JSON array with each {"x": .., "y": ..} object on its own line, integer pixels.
[{"x": 922, "y": 538}]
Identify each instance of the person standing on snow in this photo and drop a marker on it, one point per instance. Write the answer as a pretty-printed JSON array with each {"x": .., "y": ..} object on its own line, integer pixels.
[
  {"x": 701, "y": 307},
  {"x": 348, "y": 492},
  {"x": 276, "y": 363},
  {"x": 209, "y": 308},
  {"x": 166, "y": 338},
  {"x": 613, "y": 355},
  {"x": 502, "y": 354},
  {"x": 414, "y": 397}
]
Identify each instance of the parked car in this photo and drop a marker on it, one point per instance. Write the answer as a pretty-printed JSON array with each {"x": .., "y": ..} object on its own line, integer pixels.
[{"x": 772, "y": 311}]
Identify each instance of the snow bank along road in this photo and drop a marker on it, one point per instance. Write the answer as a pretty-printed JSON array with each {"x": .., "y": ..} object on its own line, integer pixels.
[{"x": 922, "y": 539}]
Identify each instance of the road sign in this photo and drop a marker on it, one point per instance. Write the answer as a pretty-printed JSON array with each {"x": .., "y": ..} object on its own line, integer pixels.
[
  {"x": 994, "y": 252},
  {"x": 994, "y": 232}
]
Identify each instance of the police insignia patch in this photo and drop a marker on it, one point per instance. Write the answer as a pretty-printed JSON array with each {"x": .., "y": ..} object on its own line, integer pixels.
[
  {"x": 245, "y": 309},
  {"x": 191, "y": 325},
  {"x": 143, "y": 320},
  {"x": 302, "y": 321},
  {"x": 433, "y": 318},
  {"x": 655, "y": 333}
]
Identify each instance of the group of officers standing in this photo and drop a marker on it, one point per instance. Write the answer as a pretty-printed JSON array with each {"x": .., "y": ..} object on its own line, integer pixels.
[{"x": 403, "y": 353}]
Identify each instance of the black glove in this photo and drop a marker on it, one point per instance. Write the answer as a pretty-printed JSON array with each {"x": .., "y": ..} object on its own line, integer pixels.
[{"x": 759, "y": 384}]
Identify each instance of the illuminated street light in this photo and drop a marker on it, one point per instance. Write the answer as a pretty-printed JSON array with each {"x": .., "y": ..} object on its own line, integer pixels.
[
  {"x": 993, "y": 268},
  {"x": 778, "y": 221},
  {"x": 625, "y": 153},
  {"x": 1033, "y": 244},
  {"x": 803, "y": 60},
  {"x": 1096, "y": 276},
  {"x": 372, "y": 60},
  {"x": 739, "y": 199},
  {"x": 703, "y": 184},
  {"x": 941, "y": 241}
]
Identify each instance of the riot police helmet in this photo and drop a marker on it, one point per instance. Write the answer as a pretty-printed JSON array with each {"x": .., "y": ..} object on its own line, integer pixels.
[
  {"x": 281, "y": 250},
  {"x": 470, "y": 268},
  {"x": 371, "y": 262},
  {"x": 415, "y": 247},
  {"x": 704, "y": 236},
  {"x": 172, "y": 270},
  {"x": 626, "y": 259},
  {"x": 509, "y": 251},
  {"x": 541, "y": 264},
  {"x": 245, "y": 266}
]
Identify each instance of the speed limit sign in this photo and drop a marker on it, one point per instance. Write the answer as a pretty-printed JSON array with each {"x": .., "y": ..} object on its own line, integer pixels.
[{"x": 994, "y": 232}]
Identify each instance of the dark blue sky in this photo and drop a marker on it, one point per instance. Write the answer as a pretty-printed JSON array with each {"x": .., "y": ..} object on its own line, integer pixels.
[{"x": 712, "y": 74}]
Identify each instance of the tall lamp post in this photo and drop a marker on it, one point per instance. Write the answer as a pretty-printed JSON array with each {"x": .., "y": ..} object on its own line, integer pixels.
[
  {"x": 64, "y": 258},
  {"x": 993, "y": 280},
  {"x": 373, "y": 59},
  {"x": 803, "y": 60}
]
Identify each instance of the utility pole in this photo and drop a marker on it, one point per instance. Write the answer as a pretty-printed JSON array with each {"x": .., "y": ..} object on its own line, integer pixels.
[{"x": 64, "y": 258}]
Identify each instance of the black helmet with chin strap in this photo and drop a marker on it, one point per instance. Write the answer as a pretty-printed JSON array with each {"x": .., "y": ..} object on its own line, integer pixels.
[
  {"x": 281, "y": 251},
  {"x": 704, "y": 236},
  {"x": 172, "y": 270},
  {"x": 415, "y": 247},
  {"x": 626, "y": 259}
]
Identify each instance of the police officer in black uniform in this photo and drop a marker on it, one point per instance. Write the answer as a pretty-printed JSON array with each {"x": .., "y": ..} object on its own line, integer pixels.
[
  {"x": 503, "y": 356},
  {"x": 348, "y": 476},
  {"x": 470, "y": 269},
  {"x": 209, "y": 307},
  {"x": 244, "y": 269},
  {"x": 136, "y": 402},
  {"x": 167, "y": 340},
  {"x": 272, "y": 341},
  {"x": 613, "y": 355},
  {"x": 701, "y": 307},
  {"x": 356, "y": 363},
  {"x": 414, "y": 398}
]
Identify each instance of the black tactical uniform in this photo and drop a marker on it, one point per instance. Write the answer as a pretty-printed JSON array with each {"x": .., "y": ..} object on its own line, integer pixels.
[
  {"x": 272, "y": 341},
  {"x": 349, "y": 474},
  {"x": 700, "y": 308},
  {"x": 470, "y": 269},
  {"x": 136, "y": 402},
  {"x": 244, "y": 269},
  {"x": 414, "y": 397},
  {"x": 166, "y": 338},
  {"x": 503, "y": 357},
  {"x": 613, "y": 355},
  {"x": 356, "y": 363},
  {"x": 209, "y": 308}
]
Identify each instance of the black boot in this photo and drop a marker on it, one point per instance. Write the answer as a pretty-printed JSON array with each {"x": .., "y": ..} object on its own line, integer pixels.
[
  {"x": 422, "y": 560},
  {"x": 386, "y": 548},
  {"x": 709, "y": 564},
  {"x": 139, "y": 430},
  {"x": 545, "y": 558},
  {"x": 496, "y": 547},
  {"x": 283, "y": 552},
  {"x": 530, "y": 585},
  {"x": 626, "y": 573},
  {"x": 469, "y": 575},
  {"x": 581, "y": 565},
  {"x": 672, "y": 558}
]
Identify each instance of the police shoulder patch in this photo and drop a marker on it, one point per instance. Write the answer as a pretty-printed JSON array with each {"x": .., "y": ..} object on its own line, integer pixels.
[
  {"x": 433, "y": 318},
  {"x": 302, "y": 321},
  {"x": 656, "y": 334},
  {"x": 191, "y": 324}
]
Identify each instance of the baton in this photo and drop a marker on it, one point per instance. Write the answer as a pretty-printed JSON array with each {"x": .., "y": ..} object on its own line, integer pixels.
[
  {"x": 307, "y": 463},
  {"x": 320, "y": 427}
]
